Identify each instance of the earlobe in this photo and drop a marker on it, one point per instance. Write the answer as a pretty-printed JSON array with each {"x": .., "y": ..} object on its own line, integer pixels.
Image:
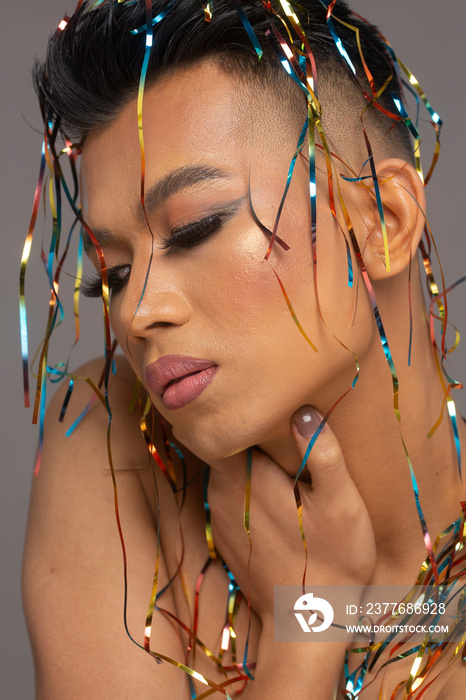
[{"x": 403, "y": 202}]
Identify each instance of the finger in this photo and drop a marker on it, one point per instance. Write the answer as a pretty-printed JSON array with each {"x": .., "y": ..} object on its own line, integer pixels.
[{"x": 320, "y": 451}]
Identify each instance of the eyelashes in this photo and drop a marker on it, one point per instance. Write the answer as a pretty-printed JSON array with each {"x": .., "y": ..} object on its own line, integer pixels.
[
  {"x": 192, "y": 235},
  {"x": 117, "y": 277},
  {"x": 184, "y": 238}
]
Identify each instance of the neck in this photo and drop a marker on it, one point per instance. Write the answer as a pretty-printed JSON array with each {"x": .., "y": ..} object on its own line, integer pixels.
[{"x": 373, "y": 441}]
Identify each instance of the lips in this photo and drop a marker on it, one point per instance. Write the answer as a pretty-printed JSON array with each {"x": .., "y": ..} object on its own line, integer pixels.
[{"x": 179, "y": 379}]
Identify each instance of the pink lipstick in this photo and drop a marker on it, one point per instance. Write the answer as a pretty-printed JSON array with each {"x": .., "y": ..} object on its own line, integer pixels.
[{"x": 179, "y": 379}]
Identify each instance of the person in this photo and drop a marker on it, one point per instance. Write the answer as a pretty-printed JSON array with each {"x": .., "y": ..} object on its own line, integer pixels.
[{"x": 253, "y": 203}]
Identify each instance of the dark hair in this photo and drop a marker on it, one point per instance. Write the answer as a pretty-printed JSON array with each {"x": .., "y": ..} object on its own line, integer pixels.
[{"x": 93, "y": 65}]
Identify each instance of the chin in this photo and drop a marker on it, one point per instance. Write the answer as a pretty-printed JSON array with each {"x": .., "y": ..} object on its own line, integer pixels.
[
  {"x": 212, "y": 445},
  {"x": 210, "y": 441}
]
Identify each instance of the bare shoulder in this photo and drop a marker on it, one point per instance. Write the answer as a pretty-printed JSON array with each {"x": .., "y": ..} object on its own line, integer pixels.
[
  {"x": 73, "y": 584},
  {"x": 122, "y": 384}
]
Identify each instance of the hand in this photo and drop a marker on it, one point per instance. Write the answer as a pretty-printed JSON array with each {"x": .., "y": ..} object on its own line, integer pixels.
[{"x": 337, "y": 527}]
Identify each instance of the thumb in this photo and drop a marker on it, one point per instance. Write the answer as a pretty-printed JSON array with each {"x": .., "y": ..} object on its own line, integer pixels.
[{"x": 319, "y": 450}]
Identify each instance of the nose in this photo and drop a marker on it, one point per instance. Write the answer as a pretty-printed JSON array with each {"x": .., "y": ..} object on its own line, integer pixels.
[{"x": 148, "y": 308}]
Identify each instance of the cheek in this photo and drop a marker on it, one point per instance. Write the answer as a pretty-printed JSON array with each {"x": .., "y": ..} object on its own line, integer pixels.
[{"x": 237, "y": 285}]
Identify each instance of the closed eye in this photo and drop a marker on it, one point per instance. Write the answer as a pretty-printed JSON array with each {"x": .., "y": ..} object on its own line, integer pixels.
[
  {"x": 183, "y": 238},
  {"x": 193, "y": 234},
  {"x": 117, "y": 278}
]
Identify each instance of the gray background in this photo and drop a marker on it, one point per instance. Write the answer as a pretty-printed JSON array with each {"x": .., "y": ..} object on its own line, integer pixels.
[{"x": 427, "y": 35}]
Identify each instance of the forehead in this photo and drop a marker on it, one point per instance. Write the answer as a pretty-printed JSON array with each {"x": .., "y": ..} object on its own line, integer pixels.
[
  {"x": 219, "y": 136},
  {"x": 199, "y": 115},
  {"x": 190, "y": 117}
]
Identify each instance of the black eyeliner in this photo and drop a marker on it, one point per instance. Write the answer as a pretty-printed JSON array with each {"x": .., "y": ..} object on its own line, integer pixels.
[
  {"x": 191, "y": 235},
  {"x": 92, "y": 287},
  {"x": 194, "y": 233},
  {"x": 183, "y": 238}
]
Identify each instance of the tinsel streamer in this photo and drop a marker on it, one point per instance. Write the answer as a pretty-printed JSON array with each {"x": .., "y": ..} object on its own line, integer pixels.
[
  {"x": 39, "y": 402},
  {"x": 168, "y": 457},
  {"x": 293, "y": 314},
  {"x": 247, "y": 506},
  {"x": 436, "y": 120},
  {"x": 155, "y": 579},
  {"x": 415, "y": 83},
  {"x": 329, "y": 165},
  {"x": 77, "y": 287},
  {"x": 197, "y": 592},
  {"x": 22, "y": 278},
  {"x": 117, "y": 517},
  {"x": 324, "y": 421},
  {"x": 378, "y": 197},
  {"x": 435, "y": 292},
  {"x": 454, "y": 423},
  {"x": 152, "y": 448},
  {"x": 249, "y": 30},
  {"x": 410, "y": 304},
  {"x": 259, "y": 223},
  {"x": 338, "y": 42},
  {"x": 287, "y": 187},
  {"x": 373, "y": 101},
  {"x": 66, "y": 401},
  {"x": 314, "y": 107},
  {"x": 408, "y": 122},
  {"x": 221, "y": 686},
  {"x": 188, "y": 631},
  {"x": 228, "y": 633},
  {"x": 97, "y": 394},
  {"x": 148, "y": 28},
  {"x": 208, "y": 12},
  {"x": 185, "y": 482},
  {"x": 208, "y": 525}
]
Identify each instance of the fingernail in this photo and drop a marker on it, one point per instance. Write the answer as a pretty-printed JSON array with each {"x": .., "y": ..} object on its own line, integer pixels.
[{"x": 307, "y": 420}]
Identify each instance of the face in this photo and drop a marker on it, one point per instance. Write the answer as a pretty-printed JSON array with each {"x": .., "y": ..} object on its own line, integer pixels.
[{"x": 195, "y": 306}]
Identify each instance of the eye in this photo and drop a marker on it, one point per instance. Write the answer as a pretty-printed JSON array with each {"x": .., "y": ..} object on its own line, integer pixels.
[
  {"x": 117, "y": 278},
  {"x": 195, "y": 233}
]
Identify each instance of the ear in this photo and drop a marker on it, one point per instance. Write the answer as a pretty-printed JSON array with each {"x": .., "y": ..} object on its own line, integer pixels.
[{"x": 403, "y": 202}]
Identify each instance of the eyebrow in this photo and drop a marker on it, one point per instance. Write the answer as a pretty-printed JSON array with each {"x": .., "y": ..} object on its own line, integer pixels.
[
  {"x": 176, "y": 181},
  {"x": 185, "y": 177}
]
